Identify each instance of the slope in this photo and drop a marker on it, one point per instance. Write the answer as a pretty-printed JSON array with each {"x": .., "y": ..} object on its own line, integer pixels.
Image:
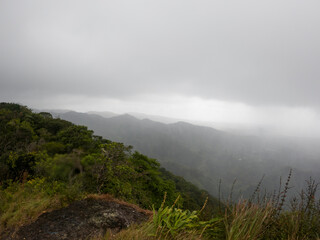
[
  {"x": 204, "y": 155},
  {"x": 47, "y": 163}
]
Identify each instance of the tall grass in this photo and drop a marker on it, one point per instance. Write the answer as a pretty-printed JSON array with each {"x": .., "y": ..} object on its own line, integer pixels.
[
  {"x": 247, "y": 221},
  {"x": 261, "y": 217},
  {"x": 23, "y": 203}
]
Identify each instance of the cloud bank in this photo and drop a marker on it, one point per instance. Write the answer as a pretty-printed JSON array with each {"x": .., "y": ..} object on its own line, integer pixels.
[{"x": 261, "y": 54}]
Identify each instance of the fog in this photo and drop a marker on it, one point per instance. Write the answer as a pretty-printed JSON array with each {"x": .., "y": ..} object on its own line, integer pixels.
[{"x": 245, "y": 64}]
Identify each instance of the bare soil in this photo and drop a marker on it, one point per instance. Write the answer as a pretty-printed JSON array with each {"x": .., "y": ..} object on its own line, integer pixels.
[{"x": 83, "y": 219}]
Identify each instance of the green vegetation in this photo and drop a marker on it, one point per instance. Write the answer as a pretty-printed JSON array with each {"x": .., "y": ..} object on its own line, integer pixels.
[
  {"x": 47, "y": 163},
  {"x": 173, "y": 223},
  {"x": 263, "y": 219},
  {"x": 204, "y": 155}
]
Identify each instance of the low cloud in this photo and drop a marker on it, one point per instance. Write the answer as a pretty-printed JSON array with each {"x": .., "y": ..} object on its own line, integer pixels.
[{"x": 261, "y": 55}]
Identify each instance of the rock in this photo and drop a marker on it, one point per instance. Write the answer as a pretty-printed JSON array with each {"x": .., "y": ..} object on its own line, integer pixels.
[{"x": 84, "y": 219}]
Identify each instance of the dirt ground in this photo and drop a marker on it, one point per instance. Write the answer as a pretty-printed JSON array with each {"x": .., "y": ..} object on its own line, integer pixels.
[{"x": 83, "y": 219}]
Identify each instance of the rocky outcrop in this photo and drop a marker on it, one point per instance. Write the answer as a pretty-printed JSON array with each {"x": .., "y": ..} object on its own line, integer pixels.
[{"x": 84, "y": 219}]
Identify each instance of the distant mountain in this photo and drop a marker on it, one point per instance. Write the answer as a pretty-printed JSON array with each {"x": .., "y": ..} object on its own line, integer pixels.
[
  {"x": 138, "y": 115},
  {"x": 155, "y": 118},
  {"x": 205, "y": 155},
  {"x": 104, "y": 114}
]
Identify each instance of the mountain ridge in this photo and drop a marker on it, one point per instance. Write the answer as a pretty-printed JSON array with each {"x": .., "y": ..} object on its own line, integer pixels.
[{"x": 199, "y": 152}]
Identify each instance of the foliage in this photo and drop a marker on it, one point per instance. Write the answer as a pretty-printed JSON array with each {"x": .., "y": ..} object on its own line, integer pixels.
[
  {"x": 264, "y": 219},
  {"x": 46, "y": 163},
  {"x": 192, "y": 196},
  {"x": 170, "y": 222},
  {"x": 49, "y": 162},
  {"x": 24, "y": 203}
]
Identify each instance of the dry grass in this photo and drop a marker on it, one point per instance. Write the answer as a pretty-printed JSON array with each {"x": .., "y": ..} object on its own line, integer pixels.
[
  {"x": 24, "y": 208},
  {"x": 247, "y": 221},
  {"x": 22, "y": 204},
  {"x": 265, "y": 219},
  {"x": 108, "y": 197},
  {"x": 143, "y": 232}
]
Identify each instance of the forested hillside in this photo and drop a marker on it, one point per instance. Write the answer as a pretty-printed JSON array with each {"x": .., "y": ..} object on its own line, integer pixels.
[
  {"x": 51, "y": 168},
  {"x": 48, "y": 163},
  {"x": 205, "y": 156}
]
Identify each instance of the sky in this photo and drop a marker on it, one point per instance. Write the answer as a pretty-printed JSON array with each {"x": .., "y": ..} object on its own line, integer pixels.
[{"x": 240, "y": 62}]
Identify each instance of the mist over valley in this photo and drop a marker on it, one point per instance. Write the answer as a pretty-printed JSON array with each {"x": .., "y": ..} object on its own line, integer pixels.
[{"x": 206, "y": 156}]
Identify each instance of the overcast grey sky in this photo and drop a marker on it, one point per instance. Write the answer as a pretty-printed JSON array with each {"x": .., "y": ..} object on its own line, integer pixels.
[{"x": 242, "y": 61}]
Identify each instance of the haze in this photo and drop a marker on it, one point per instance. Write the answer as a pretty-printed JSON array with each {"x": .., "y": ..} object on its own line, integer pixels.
[{"x": 239, "y": 62}]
